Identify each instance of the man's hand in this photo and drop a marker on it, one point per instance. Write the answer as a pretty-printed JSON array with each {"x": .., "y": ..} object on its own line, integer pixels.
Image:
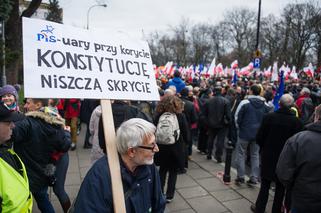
[{"x": 67, "y": 128}]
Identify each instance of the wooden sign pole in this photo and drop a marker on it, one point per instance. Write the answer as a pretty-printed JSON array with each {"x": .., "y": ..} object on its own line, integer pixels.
[{"x": 112, "y": 155}]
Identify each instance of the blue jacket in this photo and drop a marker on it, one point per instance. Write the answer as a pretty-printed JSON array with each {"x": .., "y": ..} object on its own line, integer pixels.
[
  {"x": 178, "y": 83},
  {"x": 249, "y": 115},
  {"x": 143, "y": 190}
]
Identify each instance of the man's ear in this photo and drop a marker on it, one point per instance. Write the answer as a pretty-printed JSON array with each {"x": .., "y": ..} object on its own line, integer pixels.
[
  {"x": 38, "y": 105},
  {"x": 131, "y": 152}
]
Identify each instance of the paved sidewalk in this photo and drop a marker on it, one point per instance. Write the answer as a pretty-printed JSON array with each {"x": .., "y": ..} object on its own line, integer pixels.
[{"x": 199, "y": 190}]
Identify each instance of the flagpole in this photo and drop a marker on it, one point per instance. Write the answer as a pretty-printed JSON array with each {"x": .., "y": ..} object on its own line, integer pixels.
[{"x": 258, "y": 26}]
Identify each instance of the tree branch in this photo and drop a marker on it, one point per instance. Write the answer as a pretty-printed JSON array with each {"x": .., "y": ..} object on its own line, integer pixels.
[{"x": 33, "y": 6}]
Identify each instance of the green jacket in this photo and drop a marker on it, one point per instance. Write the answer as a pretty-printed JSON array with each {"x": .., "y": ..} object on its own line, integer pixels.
[{"x": 15, "y": 196}]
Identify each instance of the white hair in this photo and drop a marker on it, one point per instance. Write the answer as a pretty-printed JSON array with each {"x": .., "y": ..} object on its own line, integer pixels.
[
  {"x": 172, "y": 87},
  {"x": 132, "y": 133},
  {"x": 286, "y": 101},
  {"x": 169, "y": 92},
  {"x": 305, "y": 90}
]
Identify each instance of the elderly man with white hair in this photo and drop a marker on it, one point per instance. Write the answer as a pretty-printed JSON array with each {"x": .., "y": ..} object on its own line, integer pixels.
[
  {"x": 275, "y": 129},
  {"x": 136, "y": 147}
]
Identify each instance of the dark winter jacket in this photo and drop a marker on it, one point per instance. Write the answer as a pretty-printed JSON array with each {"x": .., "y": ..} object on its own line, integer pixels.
[
  {"x": 173, "y": 156},
  {"x": 189, "y": 111},
  {"x": 274, "y": 131},
  {"x": 143, "y": 190},
  {"x": 249, "y": 115},
  {"x": 121, "y": 112},
  {"x": 307, "y": 109},
  {"x": 217, "y": 112},
  {"x": 87, "y": 106},
  {"x": 35, "y": 139},
  {"x": 299, "y": 168},
  {"x": 202, "y": 119},
  {"x": 178, "y": 83}
]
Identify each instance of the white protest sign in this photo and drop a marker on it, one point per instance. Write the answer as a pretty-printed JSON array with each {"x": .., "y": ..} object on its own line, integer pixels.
[{"x": 67, "y": 62}]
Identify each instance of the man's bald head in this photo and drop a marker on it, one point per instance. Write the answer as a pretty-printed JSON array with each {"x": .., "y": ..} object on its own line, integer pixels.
[{"x": 286, "y": 101}]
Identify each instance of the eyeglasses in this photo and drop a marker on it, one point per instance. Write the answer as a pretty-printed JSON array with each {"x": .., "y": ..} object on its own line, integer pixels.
[{"x": 152, "y": 148}]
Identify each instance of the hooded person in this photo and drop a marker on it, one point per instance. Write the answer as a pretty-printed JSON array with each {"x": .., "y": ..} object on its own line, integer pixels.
[
  {"x": 248, "y": 117},
  {"x": 177, "y": 82},
  {"x": 15, "y": 195}
]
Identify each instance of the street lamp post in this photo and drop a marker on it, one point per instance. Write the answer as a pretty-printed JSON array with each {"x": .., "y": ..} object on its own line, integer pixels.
[
  {"x": 257, "y": 59},
  {"x": 96, "y": 5},
  {"x": 258, "y": 27},
  {"x": 4, "y": 77}
]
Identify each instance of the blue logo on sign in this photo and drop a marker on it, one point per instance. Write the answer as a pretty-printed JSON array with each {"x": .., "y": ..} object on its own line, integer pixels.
[{"x": 45, "y": 36}]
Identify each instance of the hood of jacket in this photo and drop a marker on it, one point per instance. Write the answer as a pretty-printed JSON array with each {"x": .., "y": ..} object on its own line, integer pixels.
[
  {"x": 50, "y": 119},
  {"x": 315, "y": 127},
  {"x": 256, "y": 101},
  {"x": 177, "y": 80}
]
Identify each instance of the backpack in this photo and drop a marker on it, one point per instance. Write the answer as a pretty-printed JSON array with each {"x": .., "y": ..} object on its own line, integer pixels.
[{"x": 167, "y": 130}]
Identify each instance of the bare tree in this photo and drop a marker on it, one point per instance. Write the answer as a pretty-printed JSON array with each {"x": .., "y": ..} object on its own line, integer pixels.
[
  {"x": 301, "y": 25},
  {"x": 201, "y": 44},
  {"x": 272, "y": 34},
  {"x": 219, "y": 43},
  {"x": 318, "y": 42},
  {"x": 240, "y": 25},
  {"x": 294, "y": 38},
  {"x": 161, "y": 48},
  {"x": 180, "y": 41},
  {"x": 14, "y": 41},
  {"x": 317, "y": 37}
]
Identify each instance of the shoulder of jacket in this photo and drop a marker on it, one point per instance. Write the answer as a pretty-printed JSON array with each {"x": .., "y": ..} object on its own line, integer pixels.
[{"x": 244, "y": 102}]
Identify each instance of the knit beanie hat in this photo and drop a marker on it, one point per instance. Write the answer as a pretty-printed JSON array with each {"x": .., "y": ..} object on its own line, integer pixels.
[{"x": 8, "y": 89}]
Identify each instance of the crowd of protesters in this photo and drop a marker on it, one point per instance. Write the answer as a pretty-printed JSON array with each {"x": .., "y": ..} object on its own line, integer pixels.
[{"x": 210, "y": 112}]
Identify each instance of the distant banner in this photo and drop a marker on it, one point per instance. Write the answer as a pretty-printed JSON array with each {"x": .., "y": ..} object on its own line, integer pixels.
[{"x": 67, "y": 62}]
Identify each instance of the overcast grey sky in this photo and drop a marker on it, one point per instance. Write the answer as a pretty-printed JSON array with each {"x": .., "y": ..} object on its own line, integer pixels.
[{"x": 136, "y": 16}]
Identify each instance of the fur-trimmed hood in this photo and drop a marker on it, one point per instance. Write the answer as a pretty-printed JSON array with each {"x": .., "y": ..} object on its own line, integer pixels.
[{"x": 50, "y": 119}]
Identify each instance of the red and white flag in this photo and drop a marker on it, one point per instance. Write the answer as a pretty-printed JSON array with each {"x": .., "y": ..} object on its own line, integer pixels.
[
  {"x": 235, "y": 64},
  {"x": 268, "y": 73},
  {"x": 245, "y": 71},
  {"x": 219, "y": 70}
]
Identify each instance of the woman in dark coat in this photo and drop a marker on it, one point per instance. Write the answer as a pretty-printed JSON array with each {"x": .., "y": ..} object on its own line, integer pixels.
[{"x": 170, "y": 158}]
